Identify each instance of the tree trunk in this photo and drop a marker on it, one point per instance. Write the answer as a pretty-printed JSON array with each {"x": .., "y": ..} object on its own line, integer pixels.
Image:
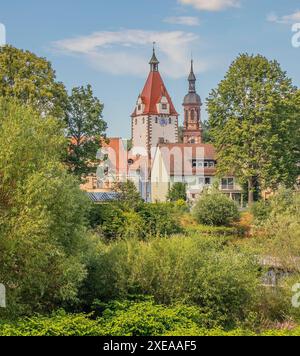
[{"x": 250, "y": 191}]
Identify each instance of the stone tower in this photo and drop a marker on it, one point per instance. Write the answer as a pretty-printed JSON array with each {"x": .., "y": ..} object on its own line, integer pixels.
[
  {"x": 192, "y": 133},
  {"x": 154, "y": 119}
]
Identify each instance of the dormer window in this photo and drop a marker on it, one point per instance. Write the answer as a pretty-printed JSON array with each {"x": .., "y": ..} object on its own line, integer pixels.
[
  {"x": 140, "y": 106},
  {"x": 163, "y": 106}
]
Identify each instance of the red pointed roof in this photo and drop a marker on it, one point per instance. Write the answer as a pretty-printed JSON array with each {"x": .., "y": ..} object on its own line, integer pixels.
[{"x": 152, "y": 93}]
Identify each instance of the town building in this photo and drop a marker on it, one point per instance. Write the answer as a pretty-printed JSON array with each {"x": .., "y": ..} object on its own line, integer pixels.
[
  {"x": 157, "y": 159},
  {"x": 154, "y": 119},
  {"x": 192, "y": 113}
]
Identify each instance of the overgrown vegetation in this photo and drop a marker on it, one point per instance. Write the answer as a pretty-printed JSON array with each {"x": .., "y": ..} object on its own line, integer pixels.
[{"x": 129, "y": 268}]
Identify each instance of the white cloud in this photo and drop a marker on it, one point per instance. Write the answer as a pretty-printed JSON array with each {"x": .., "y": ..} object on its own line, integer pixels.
[
  {"x": 183, "y": 20},
  {"x": 287, "y": 19},
  {"x": 128, "y": 51},
  {"x": 211, "y": 5}
]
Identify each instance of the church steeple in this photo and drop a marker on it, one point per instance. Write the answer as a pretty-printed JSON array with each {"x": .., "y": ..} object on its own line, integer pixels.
[
  {"x": 154, "y": 62},
  {"x": 192, "y": 79},
  {"x": 192, "y": 112}
]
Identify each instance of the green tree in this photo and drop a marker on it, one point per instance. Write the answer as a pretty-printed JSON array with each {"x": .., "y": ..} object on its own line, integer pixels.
[
  {"x": 207, "y": 138},
  {"x": 254, "y": 123},
  {"x": 32, "y": 81},
  {"x": 42, "y": 213},
  {"x": 177, "y": 192},
  {"x": 85, "y": 128},
  {"x": 215, "y": 209},
  {"x": 128, "y": 195}
]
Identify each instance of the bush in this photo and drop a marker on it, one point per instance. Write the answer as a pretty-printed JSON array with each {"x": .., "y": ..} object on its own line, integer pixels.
[
  {"x": 42, "y": 214},
  {"x": 147, "y": 319},
  {"x": 281, "y": 231},
  {"x": 215, "y": 209},
  {"x": 131, "y": 319},
  {"x": 261, "y": 211},
  {"x": 159, "y": 219},
  {"x": 113, "y": 222},
  {"x": 177, "y": 192},
  {"x": 60, "y": 324},
  {"x": 197, "y": 270}
]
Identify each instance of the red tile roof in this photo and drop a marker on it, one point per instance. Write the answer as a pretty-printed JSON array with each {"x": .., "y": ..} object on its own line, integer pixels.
[
  {"x": 178, "y": 158},
  {"x": 152, "y": 93}
]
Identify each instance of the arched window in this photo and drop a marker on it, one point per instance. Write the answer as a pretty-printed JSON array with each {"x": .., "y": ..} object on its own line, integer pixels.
[
  {"x": 170, "y": 120},
  {"x": 186, "y": 115},
  {"x": 192, "y": 115}
]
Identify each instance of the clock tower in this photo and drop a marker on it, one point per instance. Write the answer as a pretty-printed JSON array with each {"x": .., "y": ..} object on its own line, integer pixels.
[
  {"x": 154, "y": 120},
  {"x": 192, "y": 113}
]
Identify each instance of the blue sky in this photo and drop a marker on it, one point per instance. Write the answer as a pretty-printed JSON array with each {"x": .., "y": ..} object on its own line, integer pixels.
[{"x": 107, "y": 43}]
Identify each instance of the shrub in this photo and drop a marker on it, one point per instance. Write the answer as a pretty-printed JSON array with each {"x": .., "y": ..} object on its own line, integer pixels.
[
  {"x": 129, "y": 197},
  {"x": 60, "y": 324},
  {"x": 112, "y": 221},
  {"x": 177, "y": 192},
  {"x": 131, "y": 319},
  {"x": 109, "y": 220},
  {"x": 147, "y": 319},
  {"x": 261, "y": 211},
  {"x": 42, "y": 214},
  {"x": 159, "y": 219},
  {"x": 198, "y": 270},
  {"x": 215, "y": 209},
  {"x": 133, "y": 225}
]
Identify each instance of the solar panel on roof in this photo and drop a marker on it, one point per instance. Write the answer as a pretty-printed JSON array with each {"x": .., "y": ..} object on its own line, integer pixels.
[{"x": 102, "y": 197}]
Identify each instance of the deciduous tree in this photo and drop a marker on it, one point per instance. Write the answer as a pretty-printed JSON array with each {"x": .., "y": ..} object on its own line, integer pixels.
[
  {"x": 254, "y": 122},
  {"x": 32, "y": 81},
  {"x": 85, "y": 129}
]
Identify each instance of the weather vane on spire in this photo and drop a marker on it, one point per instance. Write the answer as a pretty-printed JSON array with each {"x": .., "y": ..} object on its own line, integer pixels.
[
  {"x": 154, "y": 62},
  {"x": 154, "y": 43}
]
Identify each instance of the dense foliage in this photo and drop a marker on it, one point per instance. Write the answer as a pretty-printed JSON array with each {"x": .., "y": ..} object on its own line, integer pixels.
[
  {"x": 131, "y": 268},
  {"x": 42, "y": 213},
  {"x": 32, "y": 81},
  {"x": 130, "y": 319},
  {"x": 163, "y": 268},
  {"x": 117, "y": 220},
  {"x": 215, "y": 209},
  {"x": 254, "y": 122},
  {"x": 177, "y": 192},
  {"x": 85, "y": 128}
]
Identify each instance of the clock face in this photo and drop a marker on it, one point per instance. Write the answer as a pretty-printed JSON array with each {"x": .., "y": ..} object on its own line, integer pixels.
[{"x": 163, "y": 122}]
